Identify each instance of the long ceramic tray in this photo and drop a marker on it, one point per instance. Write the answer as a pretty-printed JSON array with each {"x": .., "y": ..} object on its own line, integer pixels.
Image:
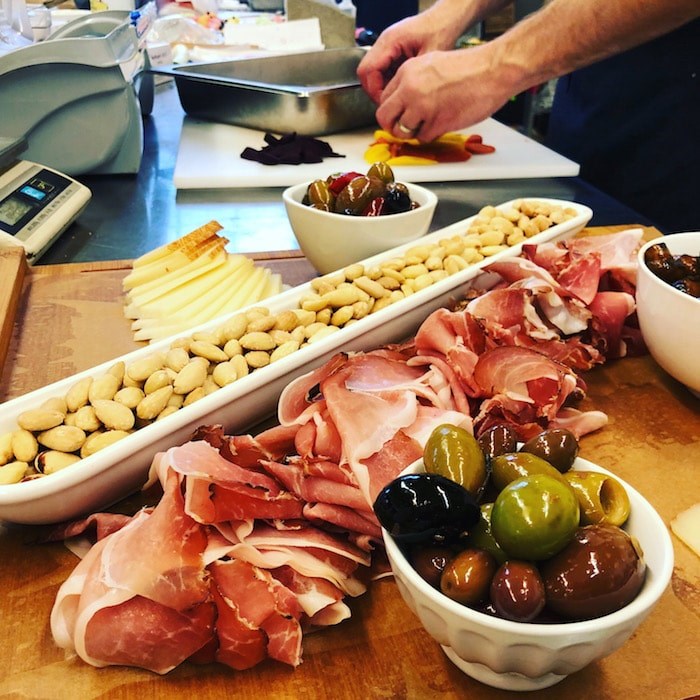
[{"x": 120, "y": 469}]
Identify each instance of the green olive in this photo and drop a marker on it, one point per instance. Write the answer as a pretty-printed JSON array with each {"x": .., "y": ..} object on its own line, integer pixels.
[
  {"x": 512, "y": 465},
  {"x": 467, "y": 577},
  {"x": 601, "y": 498},
  {"x": 357, "y": 194},
  {"x": 320, "y": 196},
  {"x": 535, "y": 517},
  {"x": 382, "y": 171},
  {"x": 481, "y": 537},
  {"x": 557, "y": 446},
  {"x": 454, "y": 453}
]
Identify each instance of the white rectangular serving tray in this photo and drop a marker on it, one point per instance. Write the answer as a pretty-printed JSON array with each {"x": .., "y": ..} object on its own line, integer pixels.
[{"x": 106, "y": 477}]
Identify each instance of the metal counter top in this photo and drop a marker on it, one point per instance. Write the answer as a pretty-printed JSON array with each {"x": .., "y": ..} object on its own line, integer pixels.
[{"x": 129, "y": 215}]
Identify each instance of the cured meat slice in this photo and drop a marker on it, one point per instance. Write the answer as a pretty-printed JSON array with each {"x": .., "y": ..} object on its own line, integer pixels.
[
  {"x": 262, "y": 603},
  {"x": 131, "y": 634}
]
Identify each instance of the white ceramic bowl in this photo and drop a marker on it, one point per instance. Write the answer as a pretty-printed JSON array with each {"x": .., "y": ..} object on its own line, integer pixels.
[
  {"x": 333, "y": 241},
  {"x": 528, "y": 656},
  {"x": 670, "y": 319}
]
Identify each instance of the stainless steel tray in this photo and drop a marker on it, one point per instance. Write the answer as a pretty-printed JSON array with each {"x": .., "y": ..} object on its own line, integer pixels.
[{"x": 312, "y": 93}]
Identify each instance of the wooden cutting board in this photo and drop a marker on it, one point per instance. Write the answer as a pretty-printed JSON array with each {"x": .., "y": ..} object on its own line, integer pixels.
[
  {"x": 67, "y": 318},
  {"x": 13, "y": 268}
]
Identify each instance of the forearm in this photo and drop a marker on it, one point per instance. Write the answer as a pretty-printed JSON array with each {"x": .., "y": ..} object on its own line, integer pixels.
[
  {"x": 454, "y": 17},
  {"x": 569, "y": 34}
]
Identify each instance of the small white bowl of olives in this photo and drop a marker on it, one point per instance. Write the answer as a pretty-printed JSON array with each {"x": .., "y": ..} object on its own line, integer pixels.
[
  {"x": 668, "y": 304},
  {"x": 349, "y": 216},
  {"x": 526, "y": 618}
]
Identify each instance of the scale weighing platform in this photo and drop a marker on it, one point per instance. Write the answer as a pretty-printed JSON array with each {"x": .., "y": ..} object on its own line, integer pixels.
[{"x": 37, "y": 203}]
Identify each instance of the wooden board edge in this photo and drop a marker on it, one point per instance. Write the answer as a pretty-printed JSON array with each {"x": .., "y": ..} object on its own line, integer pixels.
[{"x": 13, "y": 269}]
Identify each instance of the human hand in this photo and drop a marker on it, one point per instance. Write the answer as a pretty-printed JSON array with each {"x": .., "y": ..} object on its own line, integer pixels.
[
  {"x": 409, "y": 37},
  {"x": 443, "y": 91}
]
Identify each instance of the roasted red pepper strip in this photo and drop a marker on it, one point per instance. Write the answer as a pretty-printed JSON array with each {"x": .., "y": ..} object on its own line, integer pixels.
[
  {"x": 478, "y": 148},
  {"x": 375, "y": 207},
  {"x": 336, "y": 183}
]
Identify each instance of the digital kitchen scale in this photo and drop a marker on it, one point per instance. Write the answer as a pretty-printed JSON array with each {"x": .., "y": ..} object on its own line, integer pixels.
[{"x": 37, "y": 203}]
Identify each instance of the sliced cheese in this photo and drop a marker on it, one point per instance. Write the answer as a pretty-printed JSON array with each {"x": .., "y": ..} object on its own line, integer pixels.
[{"x": 686, "y": 527}]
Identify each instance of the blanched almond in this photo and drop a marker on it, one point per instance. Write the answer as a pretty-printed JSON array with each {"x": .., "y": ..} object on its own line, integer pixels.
[
  {"x": 52, "y": 461},
  {"x": 24, "y": 445},
  {"x": 104, "y": 387},
  {"x": 141, "y": 370},
  {"x": 77, "y": 395},
  {"x": 64, "y": 438},
  {"x": 114, "y": 415},
  {"x": 86, "y": 419},
  {"x": 152, "y": 404},
  {"x": 98, "y": 441},
  {"x": 39, "y": 419},
  {"x": 13, "y": 472},
  {"x": 191, "y": 376},
  {"x": 6, "y": 453}
]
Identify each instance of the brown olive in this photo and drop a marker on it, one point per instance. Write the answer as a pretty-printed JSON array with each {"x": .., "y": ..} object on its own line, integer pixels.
[
  {"x": 357, "y": 194},
  {"x": 498, "y": 440},
  {"x": 517, "y": 591},
  {"x": 601, "y": 570},
  {"x": 467, "y": 577},
  {"x": 320, "y": 196},
  {"x": 557, "y": 446},
  {"x": 382, "y": 171},
  {"x": 430, "y": 561}
]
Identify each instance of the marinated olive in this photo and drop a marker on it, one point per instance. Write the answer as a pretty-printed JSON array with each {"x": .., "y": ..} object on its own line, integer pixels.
[
  {"x": 480, "y": 535},
  {"x": 601, "y": 570},
  {"x": 430, "y": 562},
  {"x": 425, "y": 507},
  {"x": 602, "y": 498},
  {"x": 454, "y": 452},
  {"x": 517, "y": 591},
  {"x": 467, "y": 577},
  {"x": 534, "y": 517},
  {"x": 557, "y": 446},
  {"x": 498, "y": 440},
  {"x": 382, "y": 171},
  {"x": 397, "y": 199},
  {"x": 338, "y": 181},
  {"x": 320, "y": 196},
  {"x": 357, "y": 194},
  {"x": 508, "y": 467}
]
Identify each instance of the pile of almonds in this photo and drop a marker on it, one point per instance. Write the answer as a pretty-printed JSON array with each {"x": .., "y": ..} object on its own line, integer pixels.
[{"x": 98, "y": 411}]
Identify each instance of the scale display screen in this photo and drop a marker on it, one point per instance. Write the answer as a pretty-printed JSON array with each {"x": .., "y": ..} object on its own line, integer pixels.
[
  {"x": 30, "y": 198},
  {"x": 13, "y": 209}
]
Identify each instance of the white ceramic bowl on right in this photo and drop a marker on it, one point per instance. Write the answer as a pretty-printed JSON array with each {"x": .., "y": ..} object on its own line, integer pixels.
[
  {"x": 669, "y": 318},
  {"x": 529, "y": 656}
]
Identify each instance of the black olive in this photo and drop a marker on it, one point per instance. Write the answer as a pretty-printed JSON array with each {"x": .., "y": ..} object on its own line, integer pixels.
[
  {"x": 396, "y": 199},
  {"x": 424, "y": 508}
]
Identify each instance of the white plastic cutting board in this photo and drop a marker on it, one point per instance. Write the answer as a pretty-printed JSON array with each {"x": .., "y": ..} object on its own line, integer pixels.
[{"x": 209, "y": 157}]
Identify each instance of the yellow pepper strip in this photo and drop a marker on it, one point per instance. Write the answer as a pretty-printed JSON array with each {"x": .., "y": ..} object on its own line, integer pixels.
[
  {"x": 411, "y": 160},
  {"x": 389, "y": 149}
]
